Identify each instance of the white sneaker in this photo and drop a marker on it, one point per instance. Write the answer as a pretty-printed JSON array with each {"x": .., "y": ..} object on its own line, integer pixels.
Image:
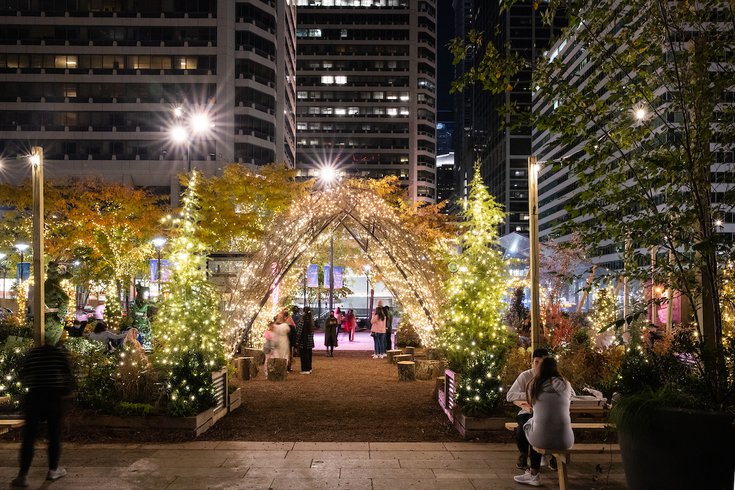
[
  {"x": 383, "y": 356},
  {"x": 305, "y": 372},
  {"x": 375, "y": 356},
  {"x": 56, "y": 474},
  {"x": 528, "y": 479}
]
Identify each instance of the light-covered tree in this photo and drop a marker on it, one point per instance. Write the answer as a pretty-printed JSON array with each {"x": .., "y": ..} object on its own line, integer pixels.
[
  {"x": 475, "y": 337},
  {"x": 187, "y": 328}
]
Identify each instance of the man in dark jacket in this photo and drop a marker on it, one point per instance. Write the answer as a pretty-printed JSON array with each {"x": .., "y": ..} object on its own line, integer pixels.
[
  {"x": 47, "y": 375},
  {"x": 388, "y": 328}
]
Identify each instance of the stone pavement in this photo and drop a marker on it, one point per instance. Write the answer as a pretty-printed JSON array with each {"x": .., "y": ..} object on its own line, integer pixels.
[{"x": 300, "y": 465}]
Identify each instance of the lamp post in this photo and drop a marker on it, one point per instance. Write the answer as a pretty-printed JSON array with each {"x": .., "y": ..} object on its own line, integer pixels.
[
  {"x": 4, "y": 267},
  {"x": 533, "y": 167},
  {"x": 328, "y": 175},
  {"x": 198, "y": 124},
  {"x": 39, "y": 305},
  {"x": 21, "y": 247},
  {"x": 158, "y": 243}
]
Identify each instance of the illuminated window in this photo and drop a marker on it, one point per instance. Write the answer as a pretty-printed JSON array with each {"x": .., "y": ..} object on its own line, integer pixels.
[
  {"x": 392, "y": 111},
  {"x": 327, "y": 79},
  {"x": 64, "y": 61},
  {"x": 340, "y": 111},
  {"x": 340, "y": 80}
]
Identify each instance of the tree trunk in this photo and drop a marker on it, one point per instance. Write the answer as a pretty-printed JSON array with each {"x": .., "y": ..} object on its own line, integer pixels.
[{"x": 406, "y": 371}]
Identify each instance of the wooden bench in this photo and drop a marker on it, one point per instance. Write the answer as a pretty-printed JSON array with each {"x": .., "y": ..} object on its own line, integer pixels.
[
  {"x": 6, "y": 425},
  {"x": 564, "y": 457},
  {"x": 575, "y": 425}
]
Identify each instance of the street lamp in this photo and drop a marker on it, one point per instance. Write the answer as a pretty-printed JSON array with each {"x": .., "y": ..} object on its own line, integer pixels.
[
  {"x": 4, "y": 269},
  {"x": 327, "y": 175},
  {"x": 159, "y": 243},
  {"x": 533, "y": 169},
  {"x": 22, "y": 248},
  {"x": 369, "y": 291},
  {"x": 198, "y": 124}
]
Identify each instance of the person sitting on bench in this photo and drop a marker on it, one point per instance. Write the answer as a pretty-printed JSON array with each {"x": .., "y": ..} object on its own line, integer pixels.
[
  {"x": 551, "y": 426},
  {"x": 517, "y": 395}
]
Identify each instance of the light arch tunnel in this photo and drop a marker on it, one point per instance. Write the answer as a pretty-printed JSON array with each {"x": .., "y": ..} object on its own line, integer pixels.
[{"x": 410, "y": 271}]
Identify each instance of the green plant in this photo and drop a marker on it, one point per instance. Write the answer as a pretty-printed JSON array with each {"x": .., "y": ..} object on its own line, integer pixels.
[
  {"x": 406, "y": 336},
  {"x": 11, "y": 327},
  {"x": 95, "y": 373},
  {"x": 11, "y": 357},
  {"x": 190, "y": 386},
  {"x": 134, "y": 409}
]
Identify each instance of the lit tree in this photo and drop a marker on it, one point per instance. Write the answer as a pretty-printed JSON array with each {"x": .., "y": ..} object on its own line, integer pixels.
[
  {"x": 475, "y": 337},
  {"x": 187, "y": 327}
]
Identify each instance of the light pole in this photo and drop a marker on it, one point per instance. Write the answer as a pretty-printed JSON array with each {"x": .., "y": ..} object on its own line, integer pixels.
[
  {"x": 328, "y": 175},
  {"x": 158, "y": 243},
  {"x": 21, "y": 247},
  {"x": 39, "y": 305},
  {"x": 198, "y": 124},
  {"x": 4, "y": 267},
  {"x": 533, "y": 167},
  {"x": 368, "y": 292}
]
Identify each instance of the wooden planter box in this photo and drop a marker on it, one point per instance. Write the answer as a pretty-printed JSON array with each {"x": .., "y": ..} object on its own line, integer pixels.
[
  {"x": 471, "y": 427},
  {"x": 195, "y": 425},
  {"x": 235, "y": 400}
]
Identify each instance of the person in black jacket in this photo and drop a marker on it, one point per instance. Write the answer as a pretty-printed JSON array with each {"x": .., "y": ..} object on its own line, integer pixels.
[
  {"x": 388, "y": 327},
  {"x": 47, "y": 375},
  {"x": 305, "y": 342}
]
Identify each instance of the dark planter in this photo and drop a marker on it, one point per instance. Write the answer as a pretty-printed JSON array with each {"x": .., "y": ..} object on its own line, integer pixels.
[{"x": 680, "y": 449}]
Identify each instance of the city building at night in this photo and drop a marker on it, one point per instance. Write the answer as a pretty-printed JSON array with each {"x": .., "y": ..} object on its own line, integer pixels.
[
  {"x": 366, "y": 90},
  {"x": 101, "y": 84}
]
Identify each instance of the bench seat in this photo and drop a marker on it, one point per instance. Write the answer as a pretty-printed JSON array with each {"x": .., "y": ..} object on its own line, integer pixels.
[
  {"x": 575, "y": 425},
  {"x": 7, "y": 424}
]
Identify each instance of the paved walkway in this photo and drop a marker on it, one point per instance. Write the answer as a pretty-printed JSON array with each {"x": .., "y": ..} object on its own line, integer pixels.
[{"x": 301, "y": 465}]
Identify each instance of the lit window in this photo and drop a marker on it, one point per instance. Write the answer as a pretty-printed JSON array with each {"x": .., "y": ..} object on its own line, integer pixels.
[
  {"x": 353, "y": 110},
  {"x": 392, "y": 111},
  {"x": 302, "y": 95},
  {"x": 327, "y": 79},
  {"x": 340, "y": 111},
  {"x": 340, "y": 80}
]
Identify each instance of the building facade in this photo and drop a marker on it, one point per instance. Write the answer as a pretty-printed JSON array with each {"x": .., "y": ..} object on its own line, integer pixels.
[
  {"x": 96, "y": 82},
  {"x": 501, "y": 146},
  {"x": 366, "y": 90}
]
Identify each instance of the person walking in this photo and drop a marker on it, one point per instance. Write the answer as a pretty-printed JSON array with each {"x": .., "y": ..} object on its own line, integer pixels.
[
  {"x": 377, "y": 330},
  {"x": 551, "y": 426},
  {"x": 330, "y": 334},
  {"x": 305, "y": 342},
  {"x": 47, "y": 375}
]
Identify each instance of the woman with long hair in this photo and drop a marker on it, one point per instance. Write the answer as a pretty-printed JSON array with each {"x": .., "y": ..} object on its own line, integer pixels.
[
  {"x": 377, "y": 330},
  {"x": 550, "y": 427}
]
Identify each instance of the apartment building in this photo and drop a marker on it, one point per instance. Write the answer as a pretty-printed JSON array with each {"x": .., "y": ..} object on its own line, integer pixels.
[
  {"x": 366, "y": 90},
  {"x": 99, "y": 84}
]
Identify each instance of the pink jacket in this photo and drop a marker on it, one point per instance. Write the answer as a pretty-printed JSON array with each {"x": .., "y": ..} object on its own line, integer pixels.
[{"x": 377, "y": 325}]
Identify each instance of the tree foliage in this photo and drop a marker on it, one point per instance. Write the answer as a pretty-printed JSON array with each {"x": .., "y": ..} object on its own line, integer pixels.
[{"x": 474, "y": 334}]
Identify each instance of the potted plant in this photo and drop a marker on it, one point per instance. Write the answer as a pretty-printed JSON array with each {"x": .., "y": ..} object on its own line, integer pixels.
[{"x": 675, "y": 408}]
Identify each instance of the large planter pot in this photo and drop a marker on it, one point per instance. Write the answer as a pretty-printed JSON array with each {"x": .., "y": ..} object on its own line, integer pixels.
[
  {"x": 471, "y": 427},
  {"x": 680, "y": 449}
]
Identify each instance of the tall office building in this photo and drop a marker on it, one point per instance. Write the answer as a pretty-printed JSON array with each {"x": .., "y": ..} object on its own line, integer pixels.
[
  {"x": 96, "y": 82},
  {"x": 366, "y": 90},
  {"x": 503, "y": 150}
]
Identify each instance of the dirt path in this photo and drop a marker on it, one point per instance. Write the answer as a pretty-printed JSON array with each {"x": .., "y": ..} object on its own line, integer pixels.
[{"x": 350, "y": 397}]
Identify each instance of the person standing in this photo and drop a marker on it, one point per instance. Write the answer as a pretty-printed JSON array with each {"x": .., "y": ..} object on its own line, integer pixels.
[
  {"x": 289, "y": 320},
  {"x": 351, "y": 325},
  {"x": 305, "y": 342},
  {"x": 99, "y": 311},
  {"x": 551, "y": 426},
  {"x": 330, "y": 334},
  {"x": 388, "y": 328},
  {"x": 282, "y": 331},
  {"x": 377, "y": 330},
  {"x": 47, "y": 375}
]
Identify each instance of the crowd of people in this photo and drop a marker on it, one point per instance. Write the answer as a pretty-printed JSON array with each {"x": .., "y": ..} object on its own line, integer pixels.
[{"x": 291, "y": 333}]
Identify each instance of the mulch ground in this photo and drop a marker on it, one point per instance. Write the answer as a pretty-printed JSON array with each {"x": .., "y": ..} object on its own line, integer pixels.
[{"x": 349, "y": 397}]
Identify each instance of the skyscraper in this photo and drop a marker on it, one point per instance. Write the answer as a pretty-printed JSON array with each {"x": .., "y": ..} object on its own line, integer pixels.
[
  {"x": 366, "y": 90},
  {"x": 96, "y": 84}
]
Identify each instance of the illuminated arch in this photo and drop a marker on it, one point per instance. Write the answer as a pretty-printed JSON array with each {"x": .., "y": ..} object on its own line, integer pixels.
[{"x": 409, "y": 269}]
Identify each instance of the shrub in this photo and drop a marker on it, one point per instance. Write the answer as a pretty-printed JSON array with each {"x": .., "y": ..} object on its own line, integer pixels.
[
  {"x": 134, "y": 409},
  {"x": 11, "y": 357},
  {"x": 190, "y": 386},
  {"x": 406, "y": 335},
  {"x": 94, "y": 369}
]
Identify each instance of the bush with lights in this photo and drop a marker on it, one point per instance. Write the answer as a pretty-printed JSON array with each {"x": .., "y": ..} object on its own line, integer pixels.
[
  {"x": 475, "y": 338},
  {"x": 187, "y": 328}
]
